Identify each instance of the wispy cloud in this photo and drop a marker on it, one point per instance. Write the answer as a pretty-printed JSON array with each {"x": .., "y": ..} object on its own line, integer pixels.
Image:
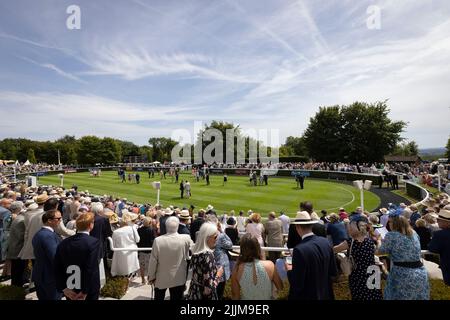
[{"x": 55, "y": 69}]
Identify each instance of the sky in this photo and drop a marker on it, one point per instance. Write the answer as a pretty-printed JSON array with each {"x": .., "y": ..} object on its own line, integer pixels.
[{"x": 141, "y": 68}]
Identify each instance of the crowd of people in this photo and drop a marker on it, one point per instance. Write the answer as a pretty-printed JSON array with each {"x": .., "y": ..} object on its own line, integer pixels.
[{"x": 57, "y": 229}]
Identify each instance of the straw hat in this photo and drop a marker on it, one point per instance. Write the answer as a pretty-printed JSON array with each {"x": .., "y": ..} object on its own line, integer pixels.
[
  {"x": 41, "y": 198},
  {"x": 209, "y": 207},
  {"x": 444, "y": 214},
  {"x": 168, "y": 212},
  {"x": 303, "y": 217},
  {"x": 128, "y": 216},
  {"x": 184, "y": 214}
]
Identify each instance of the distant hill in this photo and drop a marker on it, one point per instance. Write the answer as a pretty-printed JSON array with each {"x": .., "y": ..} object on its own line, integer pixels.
[{"x": 431, "y": 151}]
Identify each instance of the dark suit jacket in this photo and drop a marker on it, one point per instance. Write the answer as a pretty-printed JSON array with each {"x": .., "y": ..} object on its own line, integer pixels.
[
  {"x": 101, "y": 231},
  {"x": 162, "y": 225},
  {"x": 182, "y": 229},
  {"x": 294, "y": 238},
  {"x": 313, "y": 265},
  {"x": 195, "y": 226},
  {"x": 45, "y": 243},
  {"x": 80, "y": 250}
]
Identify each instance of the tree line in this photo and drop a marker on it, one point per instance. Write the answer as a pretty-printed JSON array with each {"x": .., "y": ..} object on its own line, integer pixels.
[{"x": 356, "y": 133}]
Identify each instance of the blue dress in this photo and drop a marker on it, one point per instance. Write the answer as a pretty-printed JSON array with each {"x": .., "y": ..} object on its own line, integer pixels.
[{"x": 405, "y": 283}]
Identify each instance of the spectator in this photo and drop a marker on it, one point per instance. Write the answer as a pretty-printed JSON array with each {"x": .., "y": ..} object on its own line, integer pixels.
[
  {"x": 431, "y": 222},
  {"x": 197, "y": 223},
  {"x": 440, "y": 243},
  {"x": 285, "y": 222},
  {"x": 147, "y": 235},
  {"x": 205, "y": 274},
  {"x": 318, "y": 229},
  {"x": 83, "y": 251},
  {"x": 424, "y": 233},
  {"x": 241, "y": 222},
  {"x": 361, "y": 248},
  {"x": 273, "y": 230},
  {"x": 16, "y": 237},
  {"x": 415, "y": 215},
  {"x": 231, "y": 230},
  {"x": 45, "y": 242},
  {"x": 125, "y": 263},
  {"x": 101, "y": 231},
  {"x": 185, "y": 219},
  {"x": 253, "y": 278},
  {"x": 313, "y": 264},
  {"x": 256, "y": 228},
  {"x": 169, "y": 262},
  {"x": 336, "y": 230},
  {"x": 342, "y": 214},
  {"x": 223, "y": 244},
  {"x": 403, "y": 246}
]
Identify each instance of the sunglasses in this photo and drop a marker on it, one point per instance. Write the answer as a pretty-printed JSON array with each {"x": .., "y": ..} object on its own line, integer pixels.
[{"x": 57, "y": 218}]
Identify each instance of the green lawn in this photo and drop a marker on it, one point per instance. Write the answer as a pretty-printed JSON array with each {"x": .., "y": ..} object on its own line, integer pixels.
[{"x": 280, "y": 194}]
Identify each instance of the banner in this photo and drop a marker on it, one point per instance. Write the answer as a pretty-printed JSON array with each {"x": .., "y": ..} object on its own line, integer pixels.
[
  {"x": 300, "y": 173},
  {"x": 70, "y": 171}
]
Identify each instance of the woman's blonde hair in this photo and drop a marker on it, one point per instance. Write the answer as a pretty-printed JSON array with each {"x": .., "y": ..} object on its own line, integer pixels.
[
  {"x": 255, "y": 217},
  {"x": 401, "y": 225},
  {"x": 420, "y": 223}
]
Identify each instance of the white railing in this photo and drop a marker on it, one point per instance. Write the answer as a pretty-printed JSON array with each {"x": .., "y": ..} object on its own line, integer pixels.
[{"x": 272, "y": 249}]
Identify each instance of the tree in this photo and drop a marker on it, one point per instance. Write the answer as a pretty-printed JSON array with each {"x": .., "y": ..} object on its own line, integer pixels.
[
  {"x": 88, "y": 152},
  {"x": 406, "y": 149},
  {"x": 448, "y": 148},
  {"x": 323, "y": 137},
  {"x": 30, "y": 156},
  {"x": 110, "y": 151},
  {"x": 162, "y": 148},
  {"x": 296, "y": 145},
  {"x": 357, "y": 133}
]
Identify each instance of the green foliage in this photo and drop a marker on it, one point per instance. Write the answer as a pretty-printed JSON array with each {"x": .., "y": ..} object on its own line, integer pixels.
[
  {"x": 162, "y": 148},
  {"x": 297, "y": 145},
  {"x": 30, "y": 156},
  {"x": 406, "y": 149},
  {"x": 359, "y": 132},
  {"x": 115, "y": 287},
  {"x": 11, "y": 293}
]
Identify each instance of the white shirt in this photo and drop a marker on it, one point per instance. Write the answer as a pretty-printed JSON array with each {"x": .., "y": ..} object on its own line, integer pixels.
[
  {"x": 285, "y": 222},
  {"x": 49, "y": 228},
  {"x": 307, "y": 235}
]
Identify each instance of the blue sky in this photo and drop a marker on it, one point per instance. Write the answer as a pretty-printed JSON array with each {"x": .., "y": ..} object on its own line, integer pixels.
[{"x": 140, "y": 68}]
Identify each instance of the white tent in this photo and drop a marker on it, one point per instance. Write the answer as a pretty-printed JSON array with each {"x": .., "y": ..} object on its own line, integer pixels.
[
  {"x": 156, "y": 162},
  {"x": 27, "y": 163}
]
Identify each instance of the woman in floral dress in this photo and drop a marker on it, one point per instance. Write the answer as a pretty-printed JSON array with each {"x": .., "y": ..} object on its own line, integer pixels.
[{"x": 205, "y": 274}]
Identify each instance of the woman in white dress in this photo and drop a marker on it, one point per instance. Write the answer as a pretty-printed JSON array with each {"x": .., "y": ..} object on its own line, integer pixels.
[{"x": 125, "y": 263}]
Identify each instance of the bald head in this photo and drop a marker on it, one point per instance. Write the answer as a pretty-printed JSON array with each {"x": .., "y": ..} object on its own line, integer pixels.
[{"x": 6, "y": 203}]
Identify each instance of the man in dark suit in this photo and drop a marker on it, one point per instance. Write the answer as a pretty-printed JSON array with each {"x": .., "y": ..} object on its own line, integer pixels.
[
  {"x": 45, "y": 242},
  {"x": 197, "y": 223},
  {"x": 185, "y": 218},
  {"x": 102, "y": 229},
  {"x": 77, "y": 262},
  {"x": 318, "y": 229},
  {"x": 182, "y": 189},
  {"x": 301, "y": 179},
  {"x": 313, "y": 264}
]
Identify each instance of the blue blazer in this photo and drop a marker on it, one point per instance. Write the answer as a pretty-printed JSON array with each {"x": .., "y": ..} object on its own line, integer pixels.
[
  {"x": 80, "y": 250},
  {"x": 44, "y": 244},
  {"x": 313, "y": 266}
]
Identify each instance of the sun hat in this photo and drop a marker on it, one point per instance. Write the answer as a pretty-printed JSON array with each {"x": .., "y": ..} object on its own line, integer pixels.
[
  {"x": 41, "y": 198},
  {"x": 184, "y": 214},
  {"x": 444, "y": 214},
  {"x": 303, "y": 217},
  {"x": 128, "y": 216}
]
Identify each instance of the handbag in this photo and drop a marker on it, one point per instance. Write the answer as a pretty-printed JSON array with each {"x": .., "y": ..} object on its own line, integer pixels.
[{"x": 346, "y": 262}]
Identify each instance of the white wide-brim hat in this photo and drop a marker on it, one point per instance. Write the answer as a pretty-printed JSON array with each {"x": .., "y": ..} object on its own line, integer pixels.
[{"x": 303, "y": 217}]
